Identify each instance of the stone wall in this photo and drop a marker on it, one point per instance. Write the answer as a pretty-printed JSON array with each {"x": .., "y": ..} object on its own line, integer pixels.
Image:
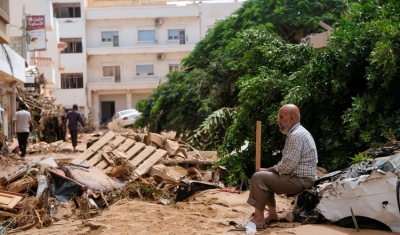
[{"x": 16, "y": 45}]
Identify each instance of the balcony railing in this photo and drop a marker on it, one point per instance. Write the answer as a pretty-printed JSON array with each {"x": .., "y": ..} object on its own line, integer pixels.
[
  {"x": 42, "y": 61},
  {"x": 5, "y": 11}
]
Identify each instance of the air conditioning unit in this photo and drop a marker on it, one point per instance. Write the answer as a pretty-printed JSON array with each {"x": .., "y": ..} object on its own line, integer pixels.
[
  {"x": 158, "y": 21},
  {"x": 160, "y": 57}
]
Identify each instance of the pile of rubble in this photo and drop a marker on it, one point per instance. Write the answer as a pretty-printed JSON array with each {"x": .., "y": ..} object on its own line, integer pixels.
[
  {"x": 46, "y": 116},
  {"x": 146, "y": 166}
]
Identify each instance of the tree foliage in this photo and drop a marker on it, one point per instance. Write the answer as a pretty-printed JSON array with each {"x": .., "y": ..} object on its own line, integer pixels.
[
  {"x": 218, "y": 66},
  {"x": 347, "y": 93}
]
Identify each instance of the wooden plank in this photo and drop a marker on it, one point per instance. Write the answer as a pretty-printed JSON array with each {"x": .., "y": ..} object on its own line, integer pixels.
[
  {"x": 119, "y": 154},
  {"x": 105, "y": 162},
  {"x": 117, "y": 141},
  {"x": 134, "y": 150},
  {"x": 108, "y": 158},
  {"x": 143, "y": 155},
  {"x": 153, "y": 159},
  {"x": 93, "y": 149},
  {"x": 107, "y": 149},
  {"x": 126, "y": 145},
  {"x": 91, "y": 162}
]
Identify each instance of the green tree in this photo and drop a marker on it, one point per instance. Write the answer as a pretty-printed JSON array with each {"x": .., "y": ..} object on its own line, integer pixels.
[{"x": 347, "y": 94}]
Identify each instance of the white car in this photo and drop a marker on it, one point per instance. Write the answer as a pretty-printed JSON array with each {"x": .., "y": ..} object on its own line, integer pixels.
[
  {"x": 366, "y": 195},
  {"x": 123, "y": 118}
]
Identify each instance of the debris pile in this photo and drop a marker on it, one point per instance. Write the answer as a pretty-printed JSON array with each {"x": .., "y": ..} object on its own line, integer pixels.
[
  {"x": 150, "y": 153},
  {"x": 46, "y": 117},
  {"x": 149, "y": 167},
  {"x": 43, "y": 147}
]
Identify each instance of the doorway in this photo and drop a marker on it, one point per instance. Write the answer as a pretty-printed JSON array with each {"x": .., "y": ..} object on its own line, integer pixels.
[{"x": 107, "y": 110}]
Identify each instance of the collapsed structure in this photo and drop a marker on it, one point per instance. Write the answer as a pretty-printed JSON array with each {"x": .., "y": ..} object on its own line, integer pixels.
[{"x": 114, "y": 166}]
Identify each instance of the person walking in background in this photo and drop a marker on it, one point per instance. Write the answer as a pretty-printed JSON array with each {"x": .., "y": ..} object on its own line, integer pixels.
[
  {"x": 21, "y": 124},
  {"x": 73, "y": 117}
]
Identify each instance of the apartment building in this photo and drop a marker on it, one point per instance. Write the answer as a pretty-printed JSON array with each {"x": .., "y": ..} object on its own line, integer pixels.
[
  {"x": 119, "y": 51},
  {"x": 12, "y": 71},
  {"x": 106, "y": 55},
  {"x": 45, "y": 61}
]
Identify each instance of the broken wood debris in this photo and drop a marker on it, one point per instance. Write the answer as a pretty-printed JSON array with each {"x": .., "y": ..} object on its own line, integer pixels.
[
  {"x": 84, "y": 184},
  {"x": 46, "y": 116},
  {"x": 142, "y": 152}
]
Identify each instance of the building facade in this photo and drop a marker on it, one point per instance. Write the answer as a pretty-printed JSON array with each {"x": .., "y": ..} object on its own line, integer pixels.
[
  {"x": 117, "y": 51},
  {"x": 12, "y": 71}
]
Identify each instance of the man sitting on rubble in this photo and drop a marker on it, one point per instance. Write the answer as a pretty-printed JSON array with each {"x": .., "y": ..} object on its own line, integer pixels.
[{"x": 296, "y": 170}]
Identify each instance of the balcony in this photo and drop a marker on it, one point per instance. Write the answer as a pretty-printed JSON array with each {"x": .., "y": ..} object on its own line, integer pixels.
[
  {"x": 12, "y": 65},
  {"x": 139, "y": 49},
  {"x": 137, "y": 84},
  {"x": 45, "y": 65},
  {"x": 142, "y": 12}
]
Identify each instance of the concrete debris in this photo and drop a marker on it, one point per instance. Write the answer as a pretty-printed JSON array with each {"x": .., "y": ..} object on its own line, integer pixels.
[{"x": 43, "y": 147}]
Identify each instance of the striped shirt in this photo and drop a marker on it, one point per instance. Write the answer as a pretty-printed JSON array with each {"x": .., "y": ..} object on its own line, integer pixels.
[{"x": 299, "y": 156}]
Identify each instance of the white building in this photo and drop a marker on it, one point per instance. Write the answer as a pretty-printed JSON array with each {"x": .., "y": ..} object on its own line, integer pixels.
[
  {"x": 118, "y": 50},
  {"x": 12, "y": 70},
  {"x": 46, "y": 61}
]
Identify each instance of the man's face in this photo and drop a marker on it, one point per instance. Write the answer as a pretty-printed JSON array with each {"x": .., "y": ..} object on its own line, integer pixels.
[{"x": 284, "y": 121}]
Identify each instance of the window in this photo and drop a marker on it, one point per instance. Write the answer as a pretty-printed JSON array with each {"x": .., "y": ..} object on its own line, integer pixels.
[
  {"x": 144, "y": 70},
  {"x": 71, "y": 80},
  {"x": 174, "y": 67},
  {"x": 67, "y": 10},
  {"x": 74, "y": 45},
  {"x": 177, "y": 34},
  {"x": 146, "y": 35},
  {"x": 110, "y": 36},
  {"x": 112, "y": 71}
]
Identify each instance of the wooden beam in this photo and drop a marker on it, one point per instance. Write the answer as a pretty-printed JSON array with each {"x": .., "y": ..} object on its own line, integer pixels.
[
  {"x": 91, "y": 162},
  {"x": 93, "y": 149},
  {"x": 126, "y": 145},
  {"x": 117, "y": 141},
  {"x": 153, "y": 159},
  {"x": 143, "y": 155},
  {"x": 258, "y": 146},
  {"x": 325, "y": 26},
  {"x": 107, "y": 161},
  {"x": 134, "y": 150}
]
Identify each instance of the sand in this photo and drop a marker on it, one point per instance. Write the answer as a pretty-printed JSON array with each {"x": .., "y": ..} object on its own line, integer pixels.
[{"x": 208, "y": 212}]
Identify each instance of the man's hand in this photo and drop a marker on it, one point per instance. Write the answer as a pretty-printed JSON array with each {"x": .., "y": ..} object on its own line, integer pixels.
[
  {"x": 265, "y": 169},
  {"x": 271, "y": 169}
]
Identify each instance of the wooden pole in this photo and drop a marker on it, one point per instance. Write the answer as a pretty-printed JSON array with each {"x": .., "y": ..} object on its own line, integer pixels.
[{"x": 258, "y": 146}]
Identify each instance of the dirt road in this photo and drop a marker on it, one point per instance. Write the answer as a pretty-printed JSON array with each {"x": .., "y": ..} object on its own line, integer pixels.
[{"x": 207, "y": 213}]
